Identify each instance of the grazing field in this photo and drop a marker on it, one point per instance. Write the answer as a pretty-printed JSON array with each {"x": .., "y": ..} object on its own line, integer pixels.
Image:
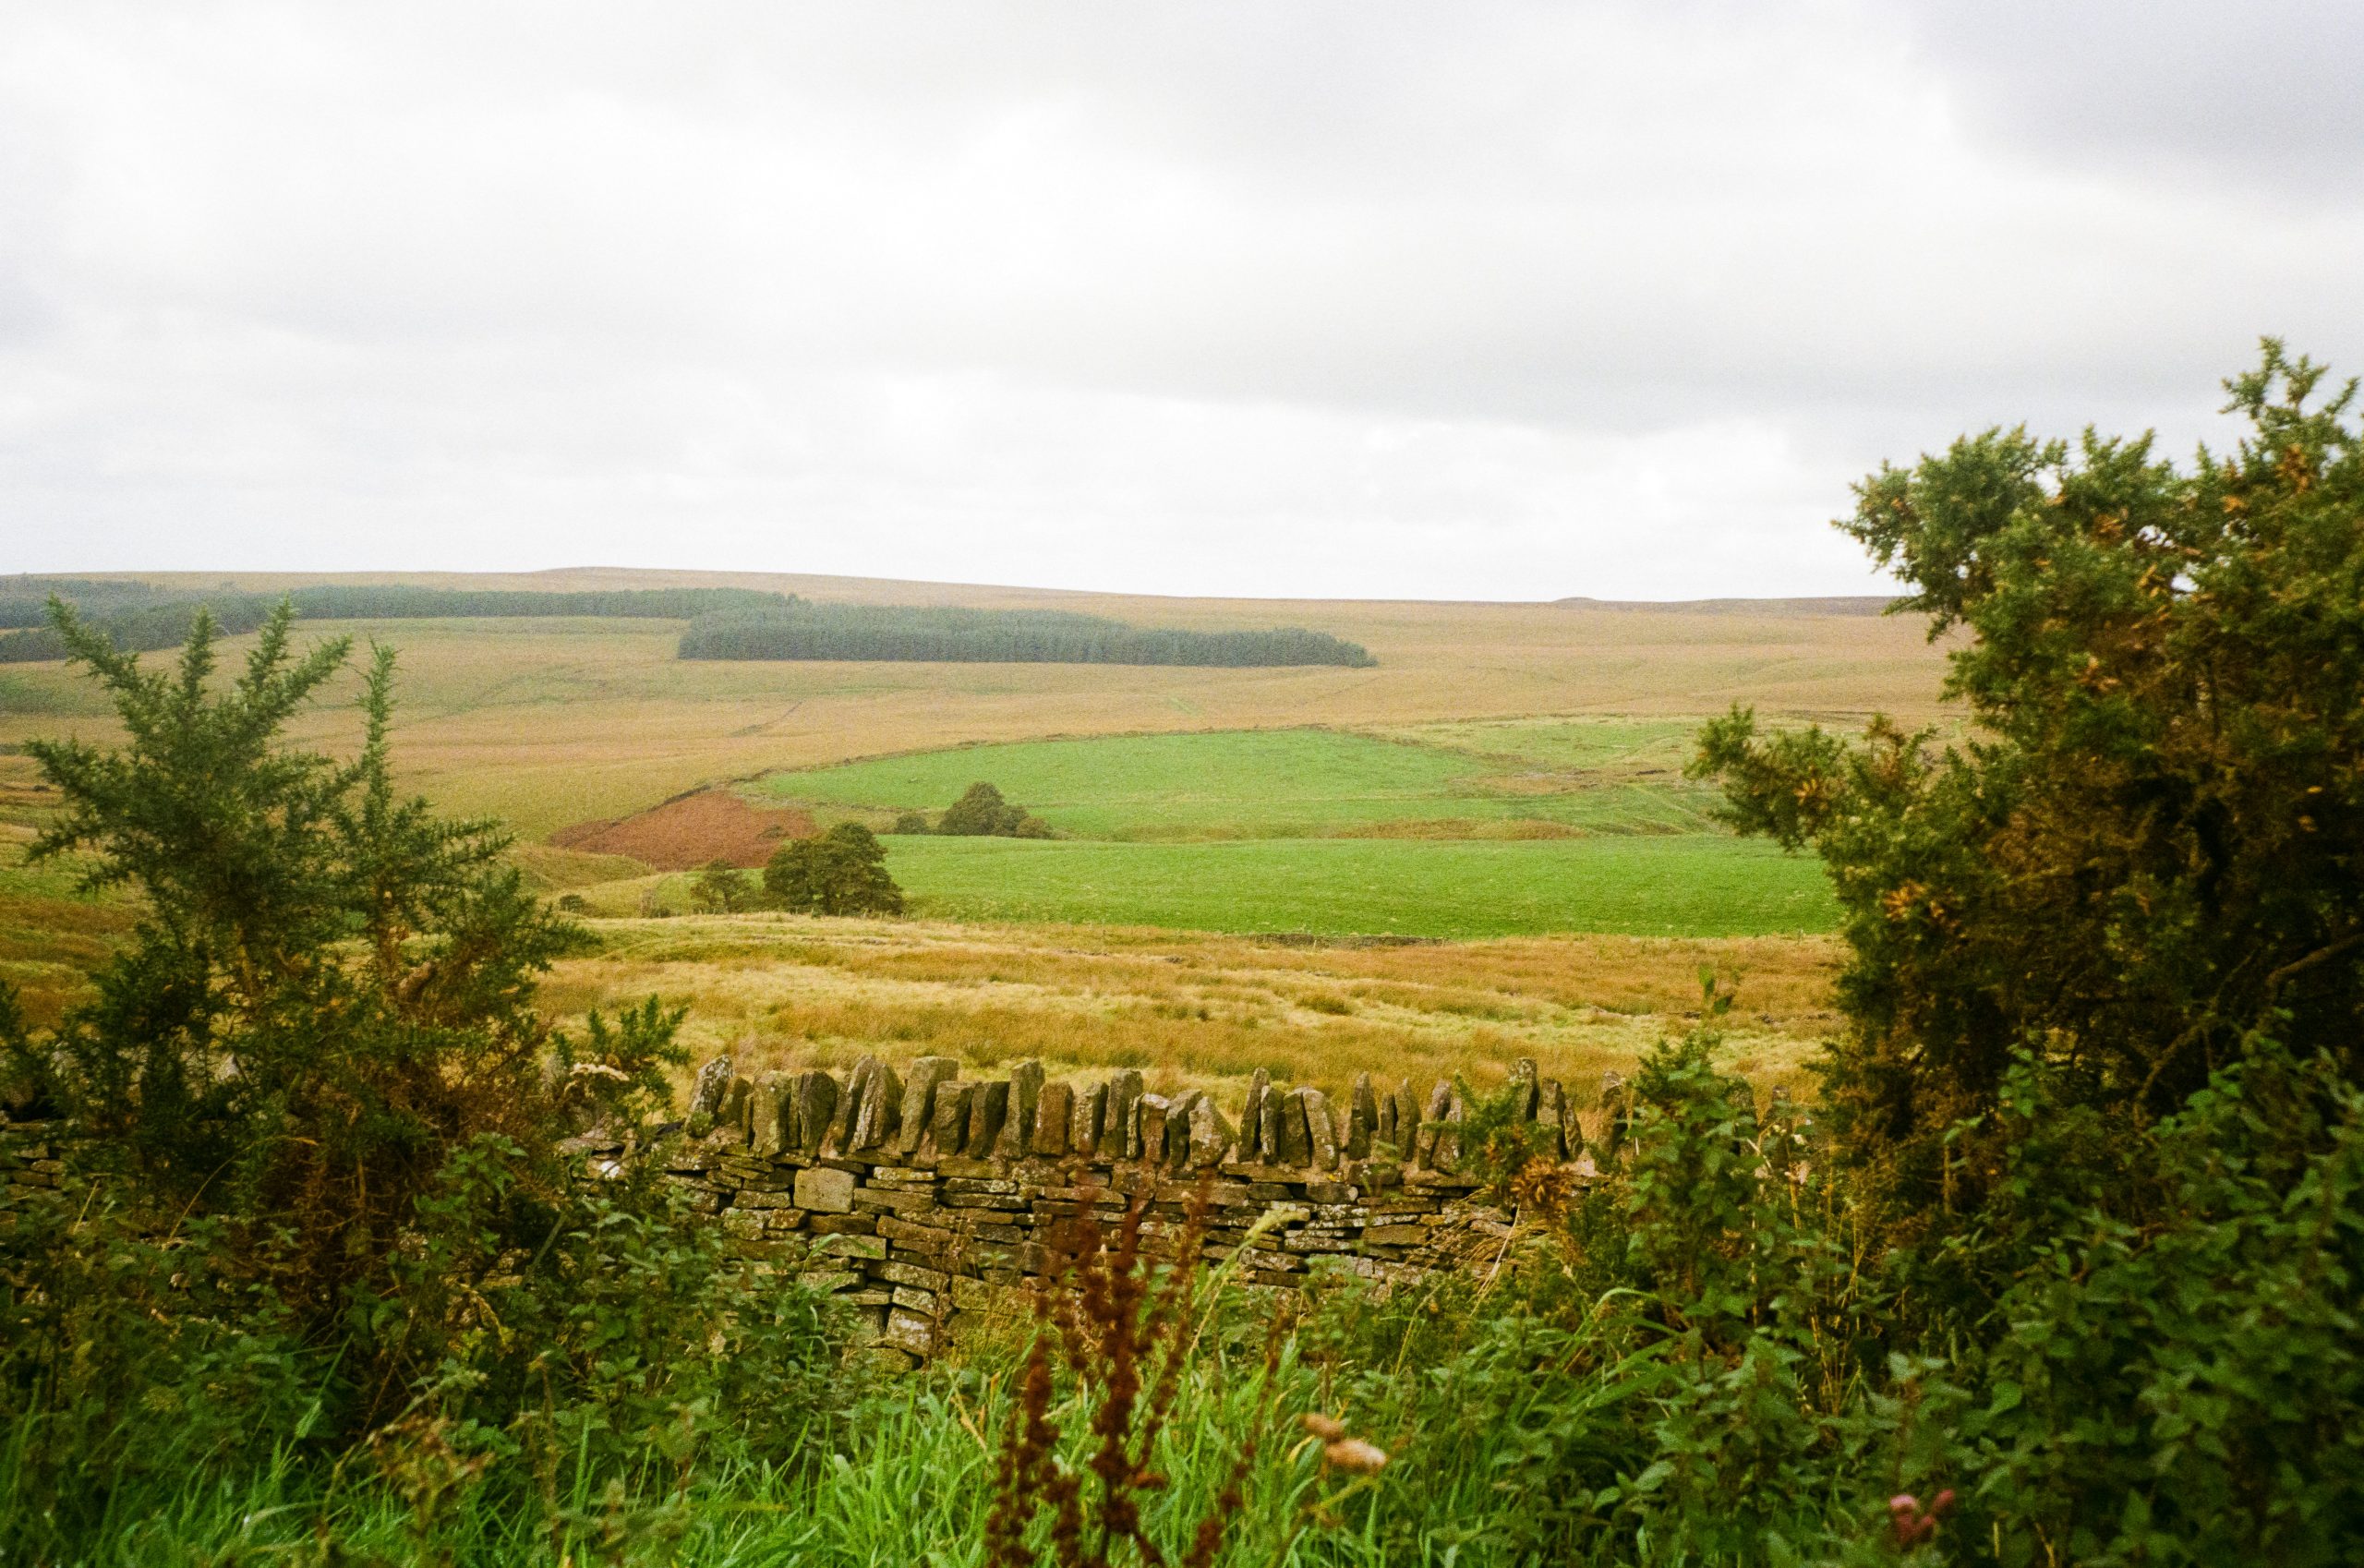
[
  {"x": 1463, "y": 830},
  {"x": 1699, "y": 885},
  {"x": 1470, "y": 781},
  {"x": 1694, "y": 885}
]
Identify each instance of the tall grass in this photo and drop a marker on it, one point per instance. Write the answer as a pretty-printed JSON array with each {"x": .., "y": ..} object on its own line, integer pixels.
[{"x": 914, "y": 1484}]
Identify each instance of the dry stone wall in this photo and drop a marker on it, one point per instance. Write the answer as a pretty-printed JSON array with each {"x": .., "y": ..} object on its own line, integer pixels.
[
  {"x": 928, "y": 1201},
  {"x": 29, "y": 1164}
]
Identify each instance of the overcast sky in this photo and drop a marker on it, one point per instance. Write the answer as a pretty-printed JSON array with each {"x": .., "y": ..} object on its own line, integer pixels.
[{"x": 1448, "y": 300}]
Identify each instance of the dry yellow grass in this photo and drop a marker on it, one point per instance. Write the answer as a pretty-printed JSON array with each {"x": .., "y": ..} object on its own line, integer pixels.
[
  {"x": 1201, "y": 1012},
  {"x": 545, "y": 723}
]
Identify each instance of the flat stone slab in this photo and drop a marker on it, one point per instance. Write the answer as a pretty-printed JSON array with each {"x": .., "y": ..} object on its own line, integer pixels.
[{"x": 824, "y": 1191}]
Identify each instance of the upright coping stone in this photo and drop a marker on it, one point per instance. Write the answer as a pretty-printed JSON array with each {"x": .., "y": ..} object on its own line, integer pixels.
[
  {"x": 875, "y": 1124},
  {"x": 771, "y": 1112},
  {"x": 708, "y": 1090},
  {"x": 732, "y": 1118},
  {"x": 841, "y": 1140},
  {"x": 1408, "y": 1122},
  {"x": 948, "y": 1132},
  {"x": 1253, "y": 1142},
  {"x": 1054, "y": 1119},
  {"x": 1149, "y": 1129},
  {"x": 1362, "y": 1118},
  {"x": 816, "y": 1105},
  {"x": 988, "y": 1105},
  {"x": 927, "y": 1074},
  {"x": 1524, "y": 1088},
  {"x": 1292, "y": 1140},
  {"x": 1210, "y": 1136},
  {"x": 1018, "y": 1126},
  {"x": 1085, "y": 1122},
  {"x": 1321, "y": 1130},
  {"x": 1120, "y": 1133}
]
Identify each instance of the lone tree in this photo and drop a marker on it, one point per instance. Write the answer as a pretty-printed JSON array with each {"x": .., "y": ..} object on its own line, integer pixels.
[
  {"x": 2149, "y": 846},
  {"x": 842, "y": 872}
]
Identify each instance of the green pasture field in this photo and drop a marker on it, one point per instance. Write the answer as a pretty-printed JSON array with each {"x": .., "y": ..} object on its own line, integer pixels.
[
  {"x": 1462, "y": 829},
  {"x": 1697, "y": 884},
  {"x": 1604, "y": 776}
]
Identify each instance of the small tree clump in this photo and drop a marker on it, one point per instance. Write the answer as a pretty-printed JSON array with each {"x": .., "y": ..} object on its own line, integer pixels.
[
  {"x": 842, "y": 872},
  {"x": 980, "y": 812}
]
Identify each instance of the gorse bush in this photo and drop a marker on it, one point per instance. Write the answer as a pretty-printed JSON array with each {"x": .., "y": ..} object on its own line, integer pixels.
[
  {"x": 2148, "y": 847},
  {"x": 330, "y": 990},
  {"x": 319, "y": 1130}
]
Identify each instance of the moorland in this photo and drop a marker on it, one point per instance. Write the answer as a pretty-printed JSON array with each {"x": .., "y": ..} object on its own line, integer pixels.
[{"x": 1501, "y": 792}]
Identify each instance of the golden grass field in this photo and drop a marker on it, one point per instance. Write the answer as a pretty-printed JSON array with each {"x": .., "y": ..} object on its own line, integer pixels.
[
  {"x": 1201, "y": 1012},
  {"x": 550, "y": 723}
]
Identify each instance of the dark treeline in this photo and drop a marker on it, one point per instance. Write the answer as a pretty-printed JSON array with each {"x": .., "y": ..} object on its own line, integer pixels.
[
  {"x": 24, "y": 600},
  {"x": 140, "y": 616},
  {"x": 800, "y": 629}
]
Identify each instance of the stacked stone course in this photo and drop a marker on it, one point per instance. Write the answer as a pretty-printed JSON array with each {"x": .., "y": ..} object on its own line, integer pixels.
[
  {"x": 927, "y": 1202},
  {"x": 29, "y": 1164}
]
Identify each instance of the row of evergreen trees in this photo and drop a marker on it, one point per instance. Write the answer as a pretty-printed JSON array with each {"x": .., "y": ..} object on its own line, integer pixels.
[
  {"x": 24, "y": 597},
  {"x": 799, "y": 629},
  {"x": 743, "y": 623},
  {"x": 140, "y": 617}
]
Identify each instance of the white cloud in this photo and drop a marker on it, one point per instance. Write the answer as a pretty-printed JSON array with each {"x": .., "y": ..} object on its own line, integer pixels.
[{"x": 1483, "y": 300}]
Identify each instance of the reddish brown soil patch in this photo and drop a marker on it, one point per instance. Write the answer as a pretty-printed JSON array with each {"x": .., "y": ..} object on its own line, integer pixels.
[{"x": 689, "y": 832}]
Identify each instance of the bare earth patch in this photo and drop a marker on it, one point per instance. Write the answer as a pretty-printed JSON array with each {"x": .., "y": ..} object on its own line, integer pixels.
[{"x": 692, "y": 830}]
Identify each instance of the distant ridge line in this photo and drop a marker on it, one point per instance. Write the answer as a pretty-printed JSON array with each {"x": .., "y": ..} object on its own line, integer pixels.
[
  {"x": 828, "y": 587},
  {"x": 1835, "y": 604}
]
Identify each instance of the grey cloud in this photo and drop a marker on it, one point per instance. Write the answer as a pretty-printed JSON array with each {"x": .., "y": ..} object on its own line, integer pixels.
[
  {"x": 1287, "y": 298},
  {"x": 2259, "y": 94}
]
